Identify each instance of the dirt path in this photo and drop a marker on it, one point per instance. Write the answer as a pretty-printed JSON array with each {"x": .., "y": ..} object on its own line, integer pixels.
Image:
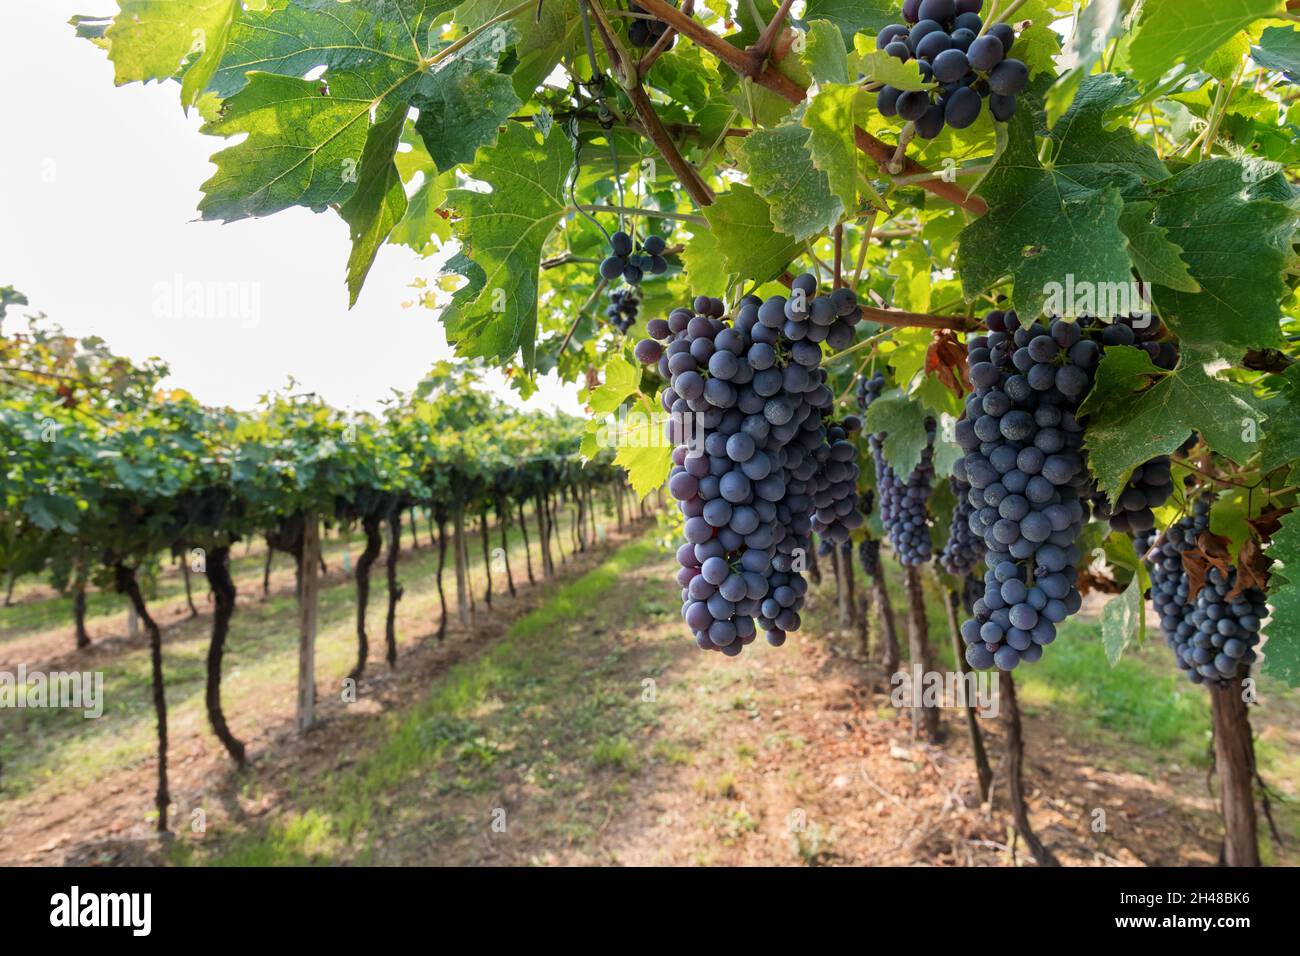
[{"x": 586, "y": 729}]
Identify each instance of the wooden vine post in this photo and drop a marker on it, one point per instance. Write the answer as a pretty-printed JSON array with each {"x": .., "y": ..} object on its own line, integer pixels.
[
  {"x": 1234, "y": 763},
  {"x": 307, "y": 611}
]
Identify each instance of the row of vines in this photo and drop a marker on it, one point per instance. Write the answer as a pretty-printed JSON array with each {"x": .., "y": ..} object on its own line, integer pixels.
[{"x": 108, "y": 473}]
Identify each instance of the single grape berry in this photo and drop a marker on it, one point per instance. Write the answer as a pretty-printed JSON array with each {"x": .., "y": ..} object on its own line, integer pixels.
[
  {"x": 912, "y": 105},
  {"x": 985, "y": 53},
  {"x": 963, "y": 108},
  {"x": 1009, "y": 78},
  {"x": 1002, "y": 107},
  {"x": 930, "y": 123},
  {"x": 621, "y": 243},
  {"x": 950, "y": 66}
]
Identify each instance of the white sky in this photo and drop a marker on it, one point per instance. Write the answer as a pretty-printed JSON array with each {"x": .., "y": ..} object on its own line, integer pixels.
[{"x": 99, "y": 189}]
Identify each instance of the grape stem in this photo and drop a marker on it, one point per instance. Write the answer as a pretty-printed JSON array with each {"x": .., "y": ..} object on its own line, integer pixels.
[
  {"x": 868, "y": 230},
  {"x": 630, "y": 79},
  {"x": 895, "y": 164},
  {"x": 661, "y": 44},
  {"x": 582, "y": 312},
  {"x": 763, "y": 47},
  {"x": 837, "y": 278}
]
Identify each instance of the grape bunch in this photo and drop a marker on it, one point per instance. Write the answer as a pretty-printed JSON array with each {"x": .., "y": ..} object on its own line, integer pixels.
[
  {"x": 945, "y": 38},
  {"x": 622, "y": 309},
  {"x": 902, "y": 503},
  {"x": 835, "y": 483},
  {"x": 964, "y": 549},
  {"x": 748, "y": 405},
  {"x": 1150, "y": 487},
  {"x": 1025, "y": 466},
  {"x": 643, "y": 32},
  {"x": 1213, "y": 637},
  {"x": 632, "y": 263},
  {"x": 869, "y": 556}
]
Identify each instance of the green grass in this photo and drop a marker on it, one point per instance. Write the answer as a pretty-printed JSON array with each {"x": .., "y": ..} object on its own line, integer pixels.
[{"x": 522, "y": 685}]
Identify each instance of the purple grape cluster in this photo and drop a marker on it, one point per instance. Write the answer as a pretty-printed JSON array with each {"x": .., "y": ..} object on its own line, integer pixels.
[
  {"x": 644, "y": 32},
  {"x": 964, "y": 550},
  {"x": 835, "y": 484},
  {"x": 749, "y": 406},
  {"x": 1213, "y": 637},
  {"x": 1025, "y": 465},
  {"x": 869, "y": 556},
  {"x": 948, "y": 40},
  {"x": 903, "y": 508},
  {"x": 622, "y": 309},
  {"x": 633, "y": 262},
  {"x": 1150, "y": 487}
]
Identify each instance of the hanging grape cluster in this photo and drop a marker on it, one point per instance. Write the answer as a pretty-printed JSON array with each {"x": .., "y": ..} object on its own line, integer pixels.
[
  {"x": 948, "y": 40},
  {"x": 749, "y": 411},
  {"x": 633, "y": 262},
  {"x": 902, "y": 502},
  {"x": 1214, "y": 635},
  {"x": 622, "y": 309},
  {"x": 964, "y": 549},
  {"x": 644, "y": 32}
]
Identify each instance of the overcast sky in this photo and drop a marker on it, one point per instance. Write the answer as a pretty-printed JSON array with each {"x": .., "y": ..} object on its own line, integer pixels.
[{"x": 99, "y": 188}]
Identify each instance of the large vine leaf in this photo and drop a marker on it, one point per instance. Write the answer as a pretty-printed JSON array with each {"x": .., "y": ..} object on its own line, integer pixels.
[
  {"x": 152, "y": 39},
  {"x": 750, "y": 247},
  {"x": 1279, "y": 49},
  {"x": 781, "y": 170},
  {"x": 379, "y": 202},
  {"x": 384, "y": 38},
  {"x": 831, "y": 117},
  {"x": 463, "y": 101},
  {"x": 1189, "y": 31},
  {"x": 1158, "y": 260},
  {"x": 825, "y": 54},
  {"x": 854, "y": 16},
  {"x": 903, "y": 422},
  {"x": 642, "y": 450},
  {"x": 1126, "y": 429},
  {"x": 302, "y": 147},
  {"x": 1282, "y": 651},
  {"x": 503, "y": 232},
  {"x": 1236, "y": 244},
  {"x": 1092, "y": 154},
  {"x": 1041, "y": 228}
]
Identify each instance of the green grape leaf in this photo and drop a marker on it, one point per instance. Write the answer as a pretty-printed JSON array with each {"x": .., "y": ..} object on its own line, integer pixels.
[
  {"x": 543, "y": 35},
  {"x": 385, "y": 39},
  {"x": 302, "y": 147},
  {"x": 1282, "y": 650},
  {"x": 504, "y": 232},
  {"x": 1281, "y": 445},
  {"x": 830, "y": 118},
  {"x": 1099, "y": 22},
  {"x": 1158, "y": 260},
  {"x": 51, "y": 512},
  {"x": 642, "y": 450},
  {"x": 854, "y": 16},
  {"x": 151, "y": 39},
  {"x": 781, "y": 170},
  {"x": 1188, "y": 31},
  {"x": 879, "y": 67},
  {"x": 1045, "y": 225},
  {"x": 903, "y": 422},
  {"x": 379, "y": 202},
  {"x": 824, "y": 53},
  {"x": 1038, "y": 45},
  {"x": 705, "y": 268},
  {"x": 1279, "y": 49},
  {"x": 1236, "y": 245},
  {"x": 622, "y": 379},
  {"x": 463, "y": 100},
  {"x": 1094, "y": 156},
  {"x": 750, "y": 247},
  {"x": 422, "y": 222},
  {"x": 1123, "y": 619},
  {"x": 1126, "y": 429}
]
